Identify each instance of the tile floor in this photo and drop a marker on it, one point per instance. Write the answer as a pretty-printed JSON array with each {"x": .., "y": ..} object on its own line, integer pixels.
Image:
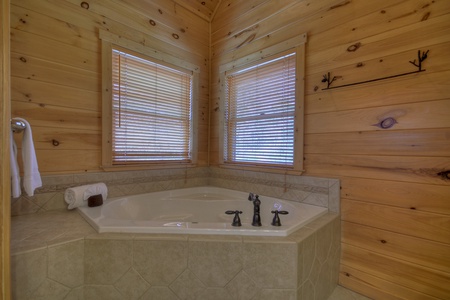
[{"x": 341, "y": 293}]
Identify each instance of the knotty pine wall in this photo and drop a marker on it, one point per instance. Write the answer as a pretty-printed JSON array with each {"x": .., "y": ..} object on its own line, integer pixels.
[
  {"x": 395, "y": 207},
  {"x": 56, "y": 69}
]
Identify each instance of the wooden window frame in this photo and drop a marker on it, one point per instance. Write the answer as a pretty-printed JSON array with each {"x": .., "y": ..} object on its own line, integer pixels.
[
  {"x": 110, "y": 41},
  {"x": 298, "y": 45}
]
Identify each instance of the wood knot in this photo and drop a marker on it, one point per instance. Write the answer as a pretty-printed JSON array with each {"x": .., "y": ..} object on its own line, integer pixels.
[
  {"x": 55, "y": 143},
  {"x": 339, "y": 5},
  {"x": 354, "y": 47},
  {"x": 175, "y": 36},
  {"x": 248, "y": 40},
  {"x": 84, "y": 5},
  {"x": 445, "y": 175},
  {"x": 383, "y": 241},
  {"x": 23, "y": 59},
  {"x": 386, "y": 123},
  {"x": 160, "y": 11},
  {"x": 426, "y": 16},
  {"x": 153, "y": 23}
]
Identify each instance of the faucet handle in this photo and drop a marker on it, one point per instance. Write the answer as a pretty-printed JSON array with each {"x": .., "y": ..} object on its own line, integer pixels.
[
  {"x": 236, "y": 219},
  {"x": 276, "y": 219}
]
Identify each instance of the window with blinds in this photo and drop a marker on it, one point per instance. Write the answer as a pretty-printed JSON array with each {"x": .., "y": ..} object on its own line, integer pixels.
[
  {"x": 151, "y": 111},
  {"x": 260, "y": 113}
]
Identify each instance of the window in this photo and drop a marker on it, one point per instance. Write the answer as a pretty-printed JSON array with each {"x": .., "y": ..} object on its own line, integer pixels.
[
  {"x": 149, "y": 110},
  {"x": 263, "y": 112}
]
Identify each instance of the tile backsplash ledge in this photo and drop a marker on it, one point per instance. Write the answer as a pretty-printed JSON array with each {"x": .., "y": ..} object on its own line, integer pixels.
[{"x": 318, "y": 191}]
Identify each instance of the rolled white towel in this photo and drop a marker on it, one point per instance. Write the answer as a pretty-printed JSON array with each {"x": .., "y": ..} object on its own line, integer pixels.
[{"x": 77, "y": 196}]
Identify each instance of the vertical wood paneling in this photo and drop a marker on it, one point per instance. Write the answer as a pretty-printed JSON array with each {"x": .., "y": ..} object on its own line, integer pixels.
[
  {"x": 5, "y": 176},
  {"x": 56, "y": 69},
  {"x": 395, "y": 192}
]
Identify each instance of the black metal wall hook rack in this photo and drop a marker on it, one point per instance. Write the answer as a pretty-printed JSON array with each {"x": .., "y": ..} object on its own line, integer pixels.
[{"x": 421, "y": 58}]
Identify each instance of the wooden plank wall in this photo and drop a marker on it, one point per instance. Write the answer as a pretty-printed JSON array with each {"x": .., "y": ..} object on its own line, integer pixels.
[
  {"x": 56, "y": 69},
  {"x": 5, "y": 175},
  {"x": 395, "y": 206}
]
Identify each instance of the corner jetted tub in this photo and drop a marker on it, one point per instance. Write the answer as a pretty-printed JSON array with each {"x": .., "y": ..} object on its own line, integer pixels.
[{"x": 198, "y": 210}]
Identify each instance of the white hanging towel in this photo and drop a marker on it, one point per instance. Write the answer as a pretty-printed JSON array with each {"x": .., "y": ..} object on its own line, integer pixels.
[
  {"x": 31, "y": 176},
  {"x": 15, "y": 176},
  {"x": 77, "y": 196}
]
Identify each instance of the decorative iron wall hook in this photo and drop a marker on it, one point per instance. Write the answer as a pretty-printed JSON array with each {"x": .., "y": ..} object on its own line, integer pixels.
[
  {"x": 327, "y": 78},
  {"x": 422, "y": 56}
]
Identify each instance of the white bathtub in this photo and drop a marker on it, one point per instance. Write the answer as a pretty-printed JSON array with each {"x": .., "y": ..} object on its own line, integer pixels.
[{"x": 199, "y": 210}]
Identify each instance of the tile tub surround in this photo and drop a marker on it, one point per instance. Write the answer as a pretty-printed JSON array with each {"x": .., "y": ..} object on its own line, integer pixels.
[
  {"x": 56, "y": 255},
  {"x": 51, "y": 195},
  {"x": 319, "y": 191},
  {"x": 322, "y": 192}
]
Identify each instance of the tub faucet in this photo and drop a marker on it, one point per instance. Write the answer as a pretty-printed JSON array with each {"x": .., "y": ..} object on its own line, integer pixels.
[{"x": 256, "y": 206}]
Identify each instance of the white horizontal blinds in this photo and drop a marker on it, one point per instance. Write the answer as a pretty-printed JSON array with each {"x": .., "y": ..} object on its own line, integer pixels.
[
  {"x": 151, "y": 111},
  {"x": 260, "y": 111}
]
